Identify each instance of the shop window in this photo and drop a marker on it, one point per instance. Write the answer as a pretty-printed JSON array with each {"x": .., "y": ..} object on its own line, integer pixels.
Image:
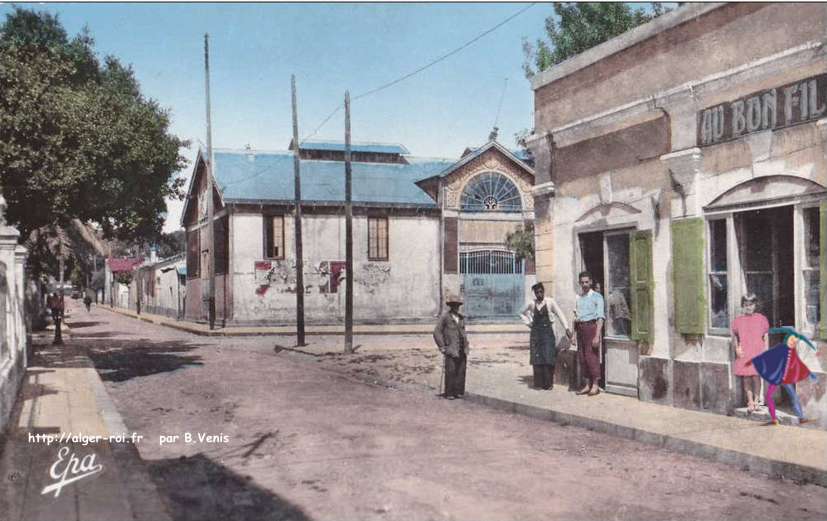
[
  {"x": 718, "y": 282},
  {"x": 378, "y": 238},
  {"x": 810, "y": 267},
  {"x": 274, "y": 237},
  {"x": 606, "y": 257}
]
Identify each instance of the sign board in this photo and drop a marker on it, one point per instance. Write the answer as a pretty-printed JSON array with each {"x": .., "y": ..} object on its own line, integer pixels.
[{"x": 797, "y": 102}]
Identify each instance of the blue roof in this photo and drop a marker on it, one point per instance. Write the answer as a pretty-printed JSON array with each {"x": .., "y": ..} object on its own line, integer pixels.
[
  {"x": 364, "y": 146},
  {"x": 268, "y": 176}
]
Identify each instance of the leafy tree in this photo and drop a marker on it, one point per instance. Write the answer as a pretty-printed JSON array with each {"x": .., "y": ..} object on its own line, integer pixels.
[
  {"x": 581, "y": 26},
  {"x": 77, "y": 137},
  {"x": 521, "y": 242}
]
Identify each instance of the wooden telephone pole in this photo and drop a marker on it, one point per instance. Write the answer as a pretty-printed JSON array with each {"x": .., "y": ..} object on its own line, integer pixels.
[
  {"x": 298, "y": 222},
  {"x": 209, "y": 294},
  {"x": 348, "y": 234}
]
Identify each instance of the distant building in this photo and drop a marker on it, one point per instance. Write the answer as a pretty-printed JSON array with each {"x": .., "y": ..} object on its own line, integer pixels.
[
  {"x": 683, "y": 164},
  {"x": 407, "y": 242}
]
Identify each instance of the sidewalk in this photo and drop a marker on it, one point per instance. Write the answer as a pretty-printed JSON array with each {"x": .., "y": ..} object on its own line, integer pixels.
[
  {"x": 62, "y": 396},
  {"x": 358, "y": 329},
  {"x": 500, "y": 377}
]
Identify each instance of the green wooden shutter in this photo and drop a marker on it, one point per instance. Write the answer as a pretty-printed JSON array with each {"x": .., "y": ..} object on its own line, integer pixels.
[
  {"x": 688, "y": 276},
  {"x": 640, "y": 264},
  {"x": 822, "y": 275}
]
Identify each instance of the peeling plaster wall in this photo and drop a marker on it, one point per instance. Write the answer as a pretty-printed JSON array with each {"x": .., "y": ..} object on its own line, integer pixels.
[{"x": 404, "y": 288}]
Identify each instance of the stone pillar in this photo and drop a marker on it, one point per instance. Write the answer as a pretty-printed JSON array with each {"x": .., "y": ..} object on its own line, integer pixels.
[{"x": 684, "y": 169}]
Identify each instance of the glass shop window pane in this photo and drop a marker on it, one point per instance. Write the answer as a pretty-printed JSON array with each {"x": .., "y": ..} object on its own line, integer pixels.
[
  {"x": 717, "y": 254},
  {"x": 812, "y": 236},
  {"x": 617, "y": 291},
  {"x": 811, "y": 283},
  {"x": 719, "y": 317}
]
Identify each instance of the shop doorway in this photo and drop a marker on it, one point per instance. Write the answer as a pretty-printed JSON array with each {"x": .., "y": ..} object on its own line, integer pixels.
[
  {"x": 765, "y": 248},
  {"x": 605, "y": 255}
]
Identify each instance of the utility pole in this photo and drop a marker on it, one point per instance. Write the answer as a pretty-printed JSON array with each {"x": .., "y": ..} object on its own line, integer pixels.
[
  {"x": 298, "y": 223},
  {"x": 208, "y": 193},
  {"x": 348, "y": 234}
]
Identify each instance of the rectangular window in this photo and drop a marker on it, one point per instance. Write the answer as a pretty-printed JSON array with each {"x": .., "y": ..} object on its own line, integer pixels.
[
  {"x": 718, "y": 283},
  {"x": 378, "y": 238},
  {"x": 812, "y": 237},
  {"x": 274, "y": 237}
]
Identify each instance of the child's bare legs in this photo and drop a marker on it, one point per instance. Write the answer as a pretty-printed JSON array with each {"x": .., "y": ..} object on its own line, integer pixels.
[{"x": 752, "y": 388}]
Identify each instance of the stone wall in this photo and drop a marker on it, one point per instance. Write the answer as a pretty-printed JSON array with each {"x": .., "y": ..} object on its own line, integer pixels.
[{"x": 13, "y": 331}]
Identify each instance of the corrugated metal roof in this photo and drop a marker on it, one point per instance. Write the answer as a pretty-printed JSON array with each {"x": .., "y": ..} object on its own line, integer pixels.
[
  {"x": 268, "y": 176},
  {"x": 357, "y": 146}
]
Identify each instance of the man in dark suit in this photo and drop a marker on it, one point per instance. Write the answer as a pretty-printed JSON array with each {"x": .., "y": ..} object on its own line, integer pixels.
[{"x": 450, "y": 338}]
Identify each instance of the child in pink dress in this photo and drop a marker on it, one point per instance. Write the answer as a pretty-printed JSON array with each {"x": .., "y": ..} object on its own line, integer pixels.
[{"x": 750, "y": 338}]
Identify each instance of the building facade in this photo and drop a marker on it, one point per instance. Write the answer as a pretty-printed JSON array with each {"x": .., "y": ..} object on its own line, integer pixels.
[
  {"x": 683, "y": 164},
  {"x": 406, "y": 254}
]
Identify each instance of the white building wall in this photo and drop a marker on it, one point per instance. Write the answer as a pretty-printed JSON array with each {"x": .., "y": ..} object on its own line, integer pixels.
[{"x": 404, "y": 288}]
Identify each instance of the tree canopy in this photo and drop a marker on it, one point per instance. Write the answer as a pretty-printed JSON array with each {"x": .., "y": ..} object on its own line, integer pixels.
[
  {"x": 77, "y": 137},
  {"x": 580, "y": 27}
]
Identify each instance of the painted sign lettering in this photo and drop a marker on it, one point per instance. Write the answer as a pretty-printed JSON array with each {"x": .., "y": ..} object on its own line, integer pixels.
[{"x": 798, "y": 102}]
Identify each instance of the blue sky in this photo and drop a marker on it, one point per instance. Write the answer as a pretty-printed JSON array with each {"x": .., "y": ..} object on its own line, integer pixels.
[{"x": 330, "y": 47}]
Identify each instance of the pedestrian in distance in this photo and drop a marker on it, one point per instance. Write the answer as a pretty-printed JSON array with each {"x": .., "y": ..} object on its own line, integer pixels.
[
  {"x": 538, "y": 315},
  {"x": 750, "y": 338},
  {"x": 450, "y": 338},
  {"x": 87, "y": 301},
  {"x": 589, "y": 315},
  {"x": 55, "y": 305}
]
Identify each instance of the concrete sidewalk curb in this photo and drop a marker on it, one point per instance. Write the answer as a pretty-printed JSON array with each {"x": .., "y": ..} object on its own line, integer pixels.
[
  {"x": 362, "y": 330},
  {"x": 745, "y": 461}
]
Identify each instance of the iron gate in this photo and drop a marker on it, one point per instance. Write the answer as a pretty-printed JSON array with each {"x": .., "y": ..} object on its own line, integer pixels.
[{"x": 493, "y": 283}]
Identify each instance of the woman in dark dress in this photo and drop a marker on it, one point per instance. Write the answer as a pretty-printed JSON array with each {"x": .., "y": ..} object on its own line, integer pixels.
[{"x": 537, "y": 314}]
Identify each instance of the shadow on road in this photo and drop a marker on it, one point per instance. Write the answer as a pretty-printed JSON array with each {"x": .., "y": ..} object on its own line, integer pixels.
[
  {"x": 77, "y": 325},
  {"x": 121, "y": 360},
  {"x": 199, "y": 489}
]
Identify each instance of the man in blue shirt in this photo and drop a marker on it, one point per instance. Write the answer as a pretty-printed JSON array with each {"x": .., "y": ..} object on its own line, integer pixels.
[{"x": 589, "y": 316}]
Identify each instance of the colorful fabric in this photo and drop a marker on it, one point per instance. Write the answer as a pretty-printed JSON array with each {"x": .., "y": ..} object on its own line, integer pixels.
[
  {"x": 590, "y": 306},
  {"x": 750, "y": 330},
  {"x": 780, "y": 365}
]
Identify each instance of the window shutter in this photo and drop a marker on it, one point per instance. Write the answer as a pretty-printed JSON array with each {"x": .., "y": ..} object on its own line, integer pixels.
[
  {"x": 640, "y": 264},
  {"x": 688, "y": 275},
  {"x": 822, "y": 269}
]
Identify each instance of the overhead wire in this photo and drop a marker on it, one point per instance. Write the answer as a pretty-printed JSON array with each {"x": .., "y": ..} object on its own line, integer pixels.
[{"x": 422, "y": 68}]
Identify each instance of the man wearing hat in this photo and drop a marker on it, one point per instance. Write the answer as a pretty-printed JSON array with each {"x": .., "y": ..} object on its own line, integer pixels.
[{"x": 450, "y": 338}]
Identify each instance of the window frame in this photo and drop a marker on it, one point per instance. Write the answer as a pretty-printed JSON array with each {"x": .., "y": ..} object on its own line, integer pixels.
[
  {"x": 727, "y": 272},
  {"x": 801, "y": 268},
  {"x": 378, "y": 257},
  {"x": 268, "y": 241},
  {"x": 606, "y": 280}
]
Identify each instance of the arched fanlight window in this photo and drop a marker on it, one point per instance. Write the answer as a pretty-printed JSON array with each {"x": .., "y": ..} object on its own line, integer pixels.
[{"x": 491, "y": 192}]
